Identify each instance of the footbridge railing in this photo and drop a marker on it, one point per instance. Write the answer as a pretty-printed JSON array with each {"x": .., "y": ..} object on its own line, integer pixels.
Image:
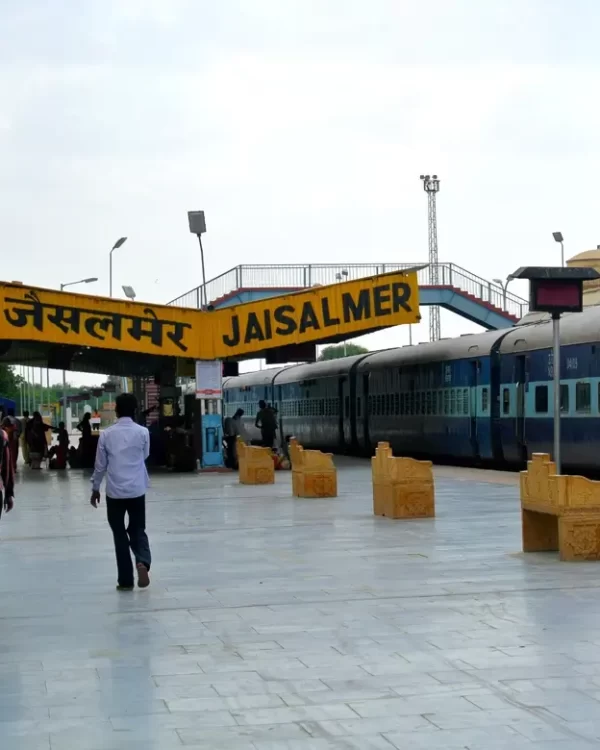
[{"x": 258, "y": 276}]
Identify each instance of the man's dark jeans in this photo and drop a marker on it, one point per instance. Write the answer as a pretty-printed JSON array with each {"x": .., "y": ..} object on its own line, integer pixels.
[{"x": 133, "y": 536}]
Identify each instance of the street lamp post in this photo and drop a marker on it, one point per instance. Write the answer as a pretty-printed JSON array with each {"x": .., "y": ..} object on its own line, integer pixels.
[
  {"x": 62, "y": 287},
  {"x": 340, "y": 277},
  {"x": 116, "y": 246},
  {"x": 504, "y": 287},
  {"x": 559, "y": 238},
  {"x": 197, "y": 224}
]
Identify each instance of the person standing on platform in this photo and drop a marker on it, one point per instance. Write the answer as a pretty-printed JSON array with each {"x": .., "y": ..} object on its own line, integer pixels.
[
  {"x": 232, "y": 428},
  {"x": 24, "y": 443},
  {"x": 267, "y": 423},
  {"x": 87, "y": 447},
  {"x": 12, "y": 427},
  {"x": 36, "y": 438},
  {"x": 121, "y": 456},
  {"x": 7, "y": 482}
]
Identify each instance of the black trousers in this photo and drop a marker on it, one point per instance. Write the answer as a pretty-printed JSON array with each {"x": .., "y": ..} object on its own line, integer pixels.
[
  {"x": 230, "y": 459},
  {"x": 268, "y": 438},
  {"x": 134, "y": 536}
]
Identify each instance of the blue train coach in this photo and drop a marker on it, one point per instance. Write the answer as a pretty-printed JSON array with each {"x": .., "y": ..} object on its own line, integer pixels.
[{"x": 478, "y": 399}]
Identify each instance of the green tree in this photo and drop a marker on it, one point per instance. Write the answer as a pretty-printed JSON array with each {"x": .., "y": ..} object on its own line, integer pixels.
[
  {"x": 336, "y": 351},
  {"x": 9, "y": 382}
]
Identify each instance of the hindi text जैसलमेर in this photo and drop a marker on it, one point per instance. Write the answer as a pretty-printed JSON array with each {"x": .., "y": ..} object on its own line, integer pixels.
[
  {"x": 49, "y": 320},
  {"x": 326, "y": 311}
]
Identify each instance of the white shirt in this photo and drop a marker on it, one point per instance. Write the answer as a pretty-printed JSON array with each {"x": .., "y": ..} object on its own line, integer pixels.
[{"x": 122, "y": 452}]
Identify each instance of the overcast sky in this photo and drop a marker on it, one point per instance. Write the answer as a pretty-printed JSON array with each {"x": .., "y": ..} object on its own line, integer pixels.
[{"x": 301, "y": 128}]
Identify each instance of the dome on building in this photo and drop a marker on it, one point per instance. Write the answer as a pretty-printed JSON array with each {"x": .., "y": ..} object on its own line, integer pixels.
[
  {"x": 591, "y": 289},
  {"x": 587, "y": 258}
]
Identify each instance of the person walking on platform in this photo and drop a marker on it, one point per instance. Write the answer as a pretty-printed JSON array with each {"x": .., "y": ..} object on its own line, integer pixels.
[
  {"x": 121, "y": 456},
  {"x": 267, "y": 423},
  {"x": 7, "y": 480}
]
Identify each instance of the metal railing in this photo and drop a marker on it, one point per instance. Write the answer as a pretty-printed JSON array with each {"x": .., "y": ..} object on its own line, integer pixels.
[{"x": 311, "y": 274}]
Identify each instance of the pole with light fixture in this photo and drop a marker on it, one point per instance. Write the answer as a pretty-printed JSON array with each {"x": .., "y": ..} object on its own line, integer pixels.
[
  {"x": 504, "y": 286},
  {"x": 342, "y": 275},
  {"x": 64, "y": 398},
  {"x": 559, "y": 238},
  {"x": 431, "y": 185},
  {"x": 197, "y": 224},
  {"x": 556, "y": 291},
  {"x": 116, "y": 246}
]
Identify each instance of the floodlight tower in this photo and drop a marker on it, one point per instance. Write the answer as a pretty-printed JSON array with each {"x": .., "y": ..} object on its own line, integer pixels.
[{"x": 431, "y": 185}]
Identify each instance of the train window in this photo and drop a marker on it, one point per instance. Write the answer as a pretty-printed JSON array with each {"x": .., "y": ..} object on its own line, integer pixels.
[
  {"x": 446, "y": 402},
  {"x": 452, "y": 401},
  {"x": 466, "y": 401},
  {"x": 485, "y": 396},
  {"x": 583, "y": 398},
  {"x": 505, "y": 401},
  {"x": 370, "y": 405},
  {"x": 564, "y": 398},
  {"x": 358, "y": 407},
  {"x": 541, "y": 399},
  {"x": 346, "y": 406},
  {"x": 322, "y": 407}
]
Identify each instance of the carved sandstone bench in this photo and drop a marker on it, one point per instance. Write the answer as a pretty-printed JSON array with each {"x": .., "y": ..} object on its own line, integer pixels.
[
  {"x": 255, "y": 464},
  {"x": 313, "y": 472},
  {"x": 402, "y": 487},
  {"x": 559, "y": 512}
]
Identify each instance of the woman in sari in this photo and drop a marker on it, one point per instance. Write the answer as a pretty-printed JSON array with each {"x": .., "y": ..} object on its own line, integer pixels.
[
  {"x": 87, "y": 445},
  {"x": 36, "y": 439}
]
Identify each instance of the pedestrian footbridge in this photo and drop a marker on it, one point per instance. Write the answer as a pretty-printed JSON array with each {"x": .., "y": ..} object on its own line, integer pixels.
[{"x": 444, "y": 284}]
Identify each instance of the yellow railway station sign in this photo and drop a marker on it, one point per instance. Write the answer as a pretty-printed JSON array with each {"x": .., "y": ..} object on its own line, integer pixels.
[{"x": 317, "y": 314}]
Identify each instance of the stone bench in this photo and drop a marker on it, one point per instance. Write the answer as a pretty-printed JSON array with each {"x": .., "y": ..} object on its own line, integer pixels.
[
  {"x": 559, "y": 512},
  {"x": 255, "y": 464},
  {"x": 313, "y": 472},
  {"x": 402, "y": 487}
]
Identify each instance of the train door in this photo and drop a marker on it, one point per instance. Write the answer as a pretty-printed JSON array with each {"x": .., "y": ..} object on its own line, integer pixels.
[
  {"x": 343, "y": 411},
  {"x": 473, "y": 394},
  {"x": 349, "y": 434},
  {"x": 495, "y": 417},
  {"x": 366, "y": 442},
  {"x": 280, "y": 418},
  {"x": 521, "y": 386}
]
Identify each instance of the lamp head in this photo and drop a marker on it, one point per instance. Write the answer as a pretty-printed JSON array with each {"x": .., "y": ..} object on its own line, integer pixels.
[
  {"x": 558, "y": 236},
  {"x": 129, "y": 292},
  {"x": 119, "y": 242}
]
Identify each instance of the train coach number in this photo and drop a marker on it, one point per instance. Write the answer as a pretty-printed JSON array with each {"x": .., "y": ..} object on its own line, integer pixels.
[{"x": 571, "y": 363}]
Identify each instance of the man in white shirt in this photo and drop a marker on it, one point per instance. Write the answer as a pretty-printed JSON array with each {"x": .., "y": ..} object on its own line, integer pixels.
[{"x": 121, "y": 456}]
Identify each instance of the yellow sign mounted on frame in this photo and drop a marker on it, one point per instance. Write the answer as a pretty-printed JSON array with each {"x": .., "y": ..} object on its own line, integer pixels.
[
  {"x": 317, "y": 314},
  {"x": 321, "y": 313}
]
